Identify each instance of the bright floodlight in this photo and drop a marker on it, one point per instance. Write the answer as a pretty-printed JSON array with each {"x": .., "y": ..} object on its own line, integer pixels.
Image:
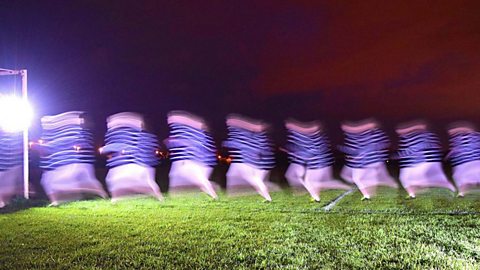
[{"x": 15, "y": 114}]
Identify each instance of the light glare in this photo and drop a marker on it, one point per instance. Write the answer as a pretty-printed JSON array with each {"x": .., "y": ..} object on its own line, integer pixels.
[{"x": 15, "y": 114}]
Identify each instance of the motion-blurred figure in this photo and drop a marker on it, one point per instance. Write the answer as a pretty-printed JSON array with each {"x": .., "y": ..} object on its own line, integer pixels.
[
  {"x": 67, "y": 158},
  {"x": 420, "y": 159},
  {"x": 465, "y": 157},
  {"x": 192, "y": 152},
  {"x": 131, "y": 155},
  {"x": 310, "y": 159},
  {"x": 366, "y": 149},
  {"x": 11, "y": 170},
  {"x": 251, "y": 152}
]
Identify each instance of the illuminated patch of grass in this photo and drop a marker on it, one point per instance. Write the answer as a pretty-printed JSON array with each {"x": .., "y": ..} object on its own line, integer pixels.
[{"x": 194, "y": 232}]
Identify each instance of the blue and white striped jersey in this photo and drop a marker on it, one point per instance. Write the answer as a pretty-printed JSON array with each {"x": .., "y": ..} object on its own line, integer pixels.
[
  {"x": 417, "y": 147},
  {"x": 365, "y": 148},
  {"x": 65, "y": 144},
  {"x": 250, "y": 147},
  {"x": 127, "y": 145},
  {"x": 310, "y": 150},
  {"x": 11, "y": 150},
  {"x": 189, "y": 143},
  {"x": 464, "y": 147}
]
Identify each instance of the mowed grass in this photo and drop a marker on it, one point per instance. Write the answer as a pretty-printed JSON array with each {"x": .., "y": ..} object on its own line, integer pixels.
[{"x": 191, "y": 231}]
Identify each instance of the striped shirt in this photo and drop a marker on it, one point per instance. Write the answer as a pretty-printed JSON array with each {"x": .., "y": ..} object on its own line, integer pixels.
[
  {"x": 11, "y": 150},
  {"x": 65, "y": 144},
  {"x": 128, "y": 145},
  {"x": 364, "y": 148},
  {"x": 189, "y": 143},
  {"x": 310, "y": 150},
  {"x": 464, "y": 147},
  {"x": 418, "y": 147},
  {"x": 250, "y": 147}
]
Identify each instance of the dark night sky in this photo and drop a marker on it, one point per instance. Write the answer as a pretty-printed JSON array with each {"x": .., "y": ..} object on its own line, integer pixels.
[{"x": 327, "y": 60}]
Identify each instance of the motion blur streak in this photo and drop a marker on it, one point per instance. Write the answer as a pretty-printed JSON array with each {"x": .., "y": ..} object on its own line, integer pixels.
[
  {"x": 366, "y": 150},
  {"x": 420, "y": 159},
  {"x": 252, "y": 155},
  {"x": 67, "y": 158},
  {"x": 131, "y": 155},
  {"x": 11, "y": 172},
  {"x": 310, "y": 158},
  {"x": 465, "y": 156},
  {"x": 192, "y": 151}
]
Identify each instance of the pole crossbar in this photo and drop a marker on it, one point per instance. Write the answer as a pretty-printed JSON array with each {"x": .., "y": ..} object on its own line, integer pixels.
[{"x": 9, "y": 72}]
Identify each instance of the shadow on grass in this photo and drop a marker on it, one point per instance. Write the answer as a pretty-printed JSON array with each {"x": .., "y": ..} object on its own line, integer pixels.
[{"x": 20, "y": 204}]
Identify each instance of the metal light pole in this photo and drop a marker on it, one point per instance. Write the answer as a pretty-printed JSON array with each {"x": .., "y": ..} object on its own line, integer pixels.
[{"x": 23, "y": 74}]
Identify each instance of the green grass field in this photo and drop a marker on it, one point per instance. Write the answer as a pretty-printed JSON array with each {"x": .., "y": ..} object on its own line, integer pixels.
[{"x": 191, "y": 231}]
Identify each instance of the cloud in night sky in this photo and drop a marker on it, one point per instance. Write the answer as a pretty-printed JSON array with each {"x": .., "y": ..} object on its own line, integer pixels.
[{"x": 396, "y": 59}]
